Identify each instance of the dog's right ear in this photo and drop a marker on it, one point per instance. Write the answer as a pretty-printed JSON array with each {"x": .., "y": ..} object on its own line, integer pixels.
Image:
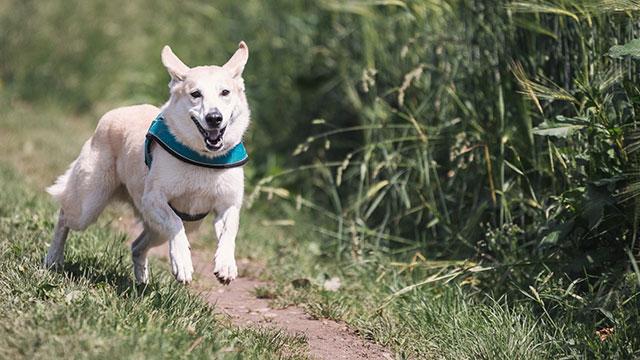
[
  {"x": 176, "y": 68},
  {"x": 236, "y": 64}
]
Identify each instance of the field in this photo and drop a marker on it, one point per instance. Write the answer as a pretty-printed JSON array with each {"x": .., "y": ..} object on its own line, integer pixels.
[{"x": 468, "y": 169}]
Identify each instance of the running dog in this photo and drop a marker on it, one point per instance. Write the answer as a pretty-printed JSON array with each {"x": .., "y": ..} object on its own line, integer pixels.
[{"x": 174, "y": 164}]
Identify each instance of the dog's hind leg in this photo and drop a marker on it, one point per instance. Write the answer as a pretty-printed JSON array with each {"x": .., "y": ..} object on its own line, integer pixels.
[
  {"x": 55, "y": 255},
  {"x": 139, "y": 250},
  {"x": 82, "y": 192},
  {"x": 86, "y": 188}
]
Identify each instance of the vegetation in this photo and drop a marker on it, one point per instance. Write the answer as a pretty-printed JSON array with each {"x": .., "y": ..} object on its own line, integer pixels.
[
  {"x": 500, "y": 155},
  {"x": 92, "y": 309},
  {"x": 470, "y": 166}
]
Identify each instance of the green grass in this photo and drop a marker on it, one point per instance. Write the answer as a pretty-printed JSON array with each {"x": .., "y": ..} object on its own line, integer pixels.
[
  {"x": 451, "y": 318},
  {"x": 91, "y": 309},
  {"x": 31, "y": 139}
]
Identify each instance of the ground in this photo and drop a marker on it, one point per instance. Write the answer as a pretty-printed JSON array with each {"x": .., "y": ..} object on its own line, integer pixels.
[{"x": 245, "y": 307}]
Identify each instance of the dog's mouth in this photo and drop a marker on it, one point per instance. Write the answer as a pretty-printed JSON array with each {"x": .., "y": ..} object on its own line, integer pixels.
[{"x": 212, "y": 138}]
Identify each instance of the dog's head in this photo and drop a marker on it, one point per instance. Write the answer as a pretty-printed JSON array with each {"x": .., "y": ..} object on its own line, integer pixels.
[{"x": 208, "y": 109}]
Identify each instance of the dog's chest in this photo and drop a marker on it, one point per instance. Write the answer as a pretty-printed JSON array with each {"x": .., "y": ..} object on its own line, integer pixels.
[{"x": 196, "y": 190}]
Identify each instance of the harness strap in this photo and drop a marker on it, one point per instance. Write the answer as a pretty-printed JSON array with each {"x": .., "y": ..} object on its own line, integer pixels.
[{"x": 188, "y": 217}]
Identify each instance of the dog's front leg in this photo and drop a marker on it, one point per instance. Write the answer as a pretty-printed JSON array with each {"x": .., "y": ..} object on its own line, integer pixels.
[
  {"x": 165, "y": 223},
  {"x": 226, "y": 226}
]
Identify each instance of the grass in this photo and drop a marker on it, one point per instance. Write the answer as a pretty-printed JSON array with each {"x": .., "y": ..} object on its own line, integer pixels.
[
  {"x": 451, "y": 317},
  {"x": 30, "y": 140},
  {"x": 92, "y": 309},
  {"x": 503, "y": 146}
]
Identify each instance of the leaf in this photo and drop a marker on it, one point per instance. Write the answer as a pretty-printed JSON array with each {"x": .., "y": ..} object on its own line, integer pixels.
[
  {"x": 631, "y": 48},
  {"x": 529, "y": 7},
  {"x": 376, "y": 187},
  {"x": 551, "y": 238},
  {"x": 578, "y": 120},
  {"x": 514, "y": 168},
  {"x": 607, "y": 313},
  {"x": 556, "y": 130}
]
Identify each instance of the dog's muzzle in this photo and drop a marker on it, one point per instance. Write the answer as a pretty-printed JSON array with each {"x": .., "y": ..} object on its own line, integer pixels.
[{"x": 213, "y": 137}]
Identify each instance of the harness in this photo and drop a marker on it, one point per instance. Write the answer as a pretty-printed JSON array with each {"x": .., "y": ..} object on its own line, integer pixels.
[{"x": 159, "y": 132}]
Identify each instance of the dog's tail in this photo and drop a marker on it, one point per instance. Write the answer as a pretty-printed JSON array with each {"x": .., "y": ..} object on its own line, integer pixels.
[{"x": 58, "y": 189}]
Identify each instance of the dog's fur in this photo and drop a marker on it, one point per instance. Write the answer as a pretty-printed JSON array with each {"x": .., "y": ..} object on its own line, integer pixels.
[{"x": 111, "y": 165}]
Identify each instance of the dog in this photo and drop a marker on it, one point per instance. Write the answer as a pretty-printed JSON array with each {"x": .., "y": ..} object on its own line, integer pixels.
[{"x": 206, "y": 116}]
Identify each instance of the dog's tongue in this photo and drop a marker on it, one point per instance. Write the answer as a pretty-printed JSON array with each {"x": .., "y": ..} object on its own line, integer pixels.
[
  {"x": 212, "y": 143},
  {"x": 213, "y": 134},
  {"x": 213, "y": 138}
]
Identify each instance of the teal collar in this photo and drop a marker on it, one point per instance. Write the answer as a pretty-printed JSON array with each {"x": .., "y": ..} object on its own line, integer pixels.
[{"x": 159, "y": 132}]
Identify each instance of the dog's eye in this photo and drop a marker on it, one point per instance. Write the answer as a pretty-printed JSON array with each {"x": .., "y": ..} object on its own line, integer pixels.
[
  {"x": 224, "y": 92},
  {"x": 196, "y": 94}
]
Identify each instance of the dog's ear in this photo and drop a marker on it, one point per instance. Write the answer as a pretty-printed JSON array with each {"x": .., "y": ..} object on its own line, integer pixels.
[
  {"x": 176, "y": 68},
  {"x": 236, "y": 64}
]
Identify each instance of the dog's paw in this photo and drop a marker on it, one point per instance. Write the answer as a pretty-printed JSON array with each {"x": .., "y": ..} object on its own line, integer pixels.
[
  {"x": 182, "y": 270},
  {"x": 181, "y": 265},
  {"x": 141, "y": 270},
  {"x": 225, "y": 268},
  {"x": 53, "y": 261}
]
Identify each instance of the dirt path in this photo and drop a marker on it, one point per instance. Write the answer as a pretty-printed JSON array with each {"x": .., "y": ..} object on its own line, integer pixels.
[{"x": 327, "y": 339}]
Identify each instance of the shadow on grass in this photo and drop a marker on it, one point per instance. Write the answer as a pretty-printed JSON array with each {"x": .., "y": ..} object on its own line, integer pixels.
[{"x": 93, "y": 270}]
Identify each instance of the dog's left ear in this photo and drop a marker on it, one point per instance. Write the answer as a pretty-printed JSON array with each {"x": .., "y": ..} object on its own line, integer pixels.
[
  {"x": 236, "y": 64},
  {"x": 175, "y": 67}
]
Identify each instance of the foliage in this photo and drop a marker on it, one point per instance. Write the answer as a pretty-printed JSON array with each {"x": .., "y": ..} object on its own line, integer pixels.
[{"x": 443, "y": 140}]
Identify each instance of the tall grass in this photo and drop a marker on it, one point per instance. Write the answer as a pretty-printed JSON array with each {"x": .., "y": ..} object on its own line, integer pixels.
[
  {"x": 499, "y": 133},
  {"x": 496, "y": 131}
]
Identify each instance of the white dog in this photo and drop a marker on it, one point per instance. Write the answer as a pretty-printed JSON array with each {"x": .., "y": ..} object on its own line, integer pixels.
[{"x": 196, "y": 170}]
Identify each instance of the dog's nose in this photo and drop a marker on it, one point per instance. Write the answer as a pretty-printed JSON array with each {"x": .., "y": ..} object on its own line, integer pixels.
[{"x": 213, "y": 118}]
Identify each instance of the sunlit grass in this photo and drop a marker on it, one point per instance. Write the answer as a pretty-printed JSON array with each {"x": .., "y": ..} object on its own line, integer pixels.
[{"x": 92, "y": 308}]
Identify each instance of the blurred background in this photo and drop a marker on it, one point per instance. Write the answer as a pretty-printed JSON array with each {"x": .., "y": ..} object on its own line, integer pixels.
[{"x": 458, "y": 134}]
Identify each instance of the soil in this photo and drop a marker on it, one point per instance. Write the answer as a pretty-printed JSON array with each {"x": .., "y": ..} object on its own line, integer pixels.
[{"x": 327, "y": 339}]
